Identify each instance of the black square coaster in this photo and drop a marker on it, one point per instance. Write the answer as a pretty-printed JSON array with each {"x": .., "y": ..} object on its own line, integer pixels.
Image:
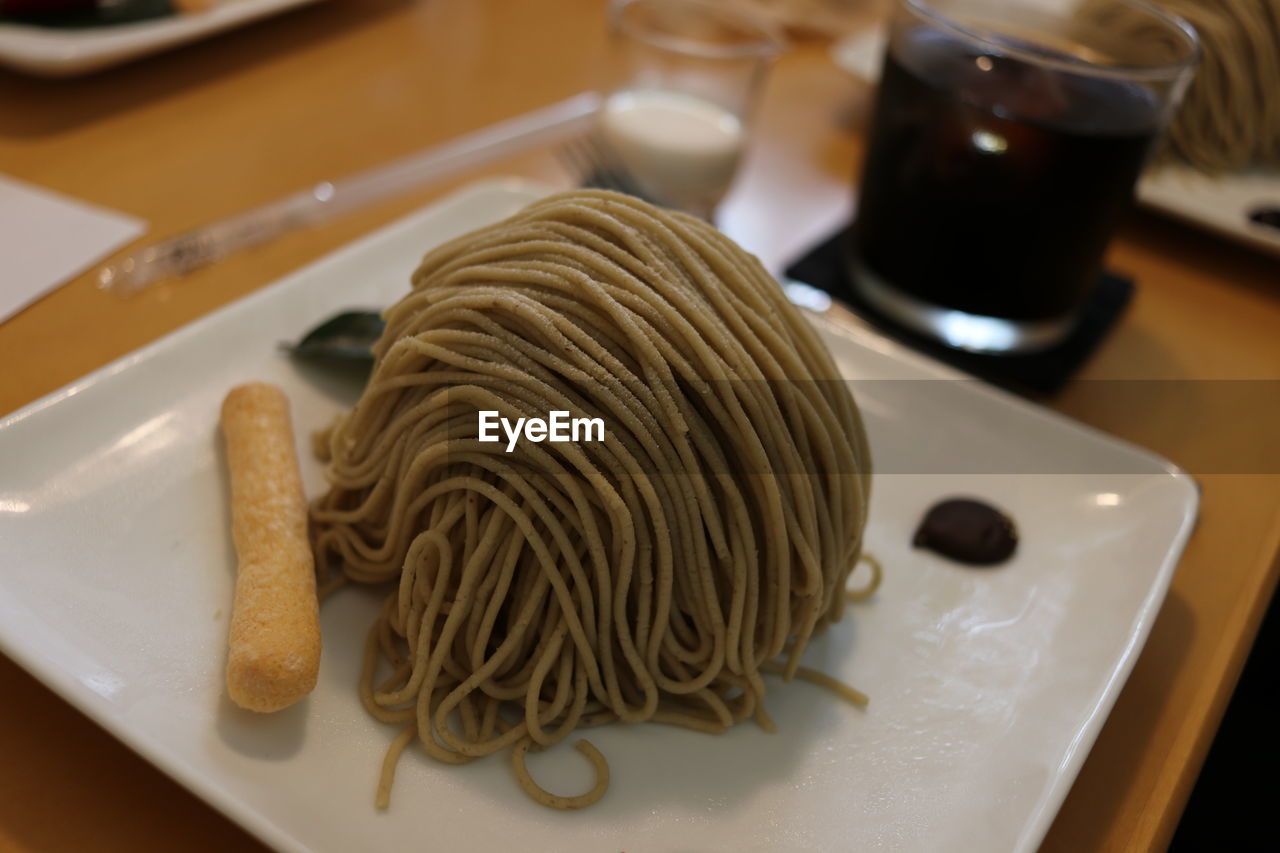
[{"x": 1044, "y": 372}]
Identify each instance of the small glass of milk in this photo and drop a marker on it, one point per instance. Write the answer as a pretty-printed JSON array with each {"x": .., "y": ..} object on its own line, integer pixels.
[{"x": 687, "y": 76}]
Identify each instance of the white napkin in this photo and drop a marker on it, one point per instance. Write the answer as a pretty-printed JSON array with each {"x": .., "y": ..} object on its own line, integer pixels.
[{"x": 47, "y": 239}]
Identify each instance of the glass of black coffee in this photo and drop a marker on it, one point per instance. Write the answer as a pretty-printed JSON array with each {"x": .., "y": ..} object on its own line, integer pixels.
[{"x": 1006, "y": 140}]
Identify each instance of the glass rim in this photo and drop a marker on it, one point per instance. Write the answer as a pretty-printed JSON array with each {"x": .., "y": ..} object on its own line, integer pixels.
[
  {"x": 769, "y": 43},
  {"x": 1166, "y": 71}
]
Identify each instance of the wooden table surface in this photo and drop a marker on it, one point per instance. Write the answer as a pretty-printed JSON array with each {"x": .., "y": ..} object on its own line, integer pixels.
[{"x": 225, "y": 124}]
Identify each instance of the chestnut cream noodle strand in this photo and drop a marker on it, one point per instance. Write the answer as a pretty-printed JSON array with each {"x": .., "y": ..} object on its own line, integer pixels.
[
  {"x": 653, "y": 576},
  {"x": 1230, "y": 117}
]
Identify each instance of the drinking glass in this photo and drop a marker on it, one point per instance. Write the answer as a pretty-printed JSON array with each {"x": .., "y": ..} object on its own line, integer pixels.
[
  {"x": 1006, "y": 139},
  {"x": 687, "y": 76}
]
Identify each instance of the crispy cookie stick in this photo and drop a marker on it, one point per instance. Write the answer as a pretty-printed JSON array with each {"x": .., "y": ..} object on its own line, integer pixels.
[{"x": 274, "y": 647}]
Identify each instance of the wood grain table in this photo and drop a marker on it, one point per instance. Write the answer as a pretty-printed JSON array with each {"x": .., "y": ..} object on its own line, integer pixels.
[{"x": 229, "y": 123}]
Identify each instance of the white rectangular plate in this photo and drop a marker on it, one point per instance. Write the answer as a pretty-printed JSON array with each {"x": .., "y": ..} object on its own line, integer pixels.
[
  {"x": 1218, "y": 203},
  {"x": 52, "y": 52},
  {"x": 988, "y": 686}
]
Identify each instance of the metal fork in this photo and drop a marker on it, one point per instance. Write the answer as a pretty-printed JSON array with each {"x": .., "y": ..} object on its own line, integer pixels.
[{"x": 596, "y": 166}]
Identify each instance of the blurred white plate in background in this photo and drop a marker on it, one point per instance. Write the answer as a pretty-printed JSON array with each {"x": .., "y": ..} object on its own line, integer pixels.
[
  {"x": 1218, "y": 203},
  {"x": 53, "y": 52}
]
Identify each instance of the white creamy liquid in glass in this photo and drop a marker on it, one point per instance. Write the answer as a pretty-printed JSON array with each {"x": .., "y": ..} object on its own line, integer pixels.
[{"x": 681, "y": 148}]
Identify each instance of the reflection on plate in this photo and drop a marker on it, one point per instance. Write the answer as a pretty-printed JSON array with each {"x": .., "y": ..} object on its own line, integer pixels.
[
  {"x": 987, "y": 686},
  {"x": 66, "y": 53},
  {"x": 1220, "y": 203}
]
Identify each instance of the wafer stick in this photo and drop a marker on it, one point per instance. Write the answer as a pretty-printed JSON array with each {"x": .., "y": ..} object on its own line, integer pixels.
[{"x": 274, "y": 645}]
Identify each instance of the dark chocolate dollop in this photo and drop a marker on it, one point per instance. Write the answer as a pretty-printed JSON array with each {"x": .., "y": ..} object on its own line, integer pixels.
[
  {"x": 968, "y": 531},
  {"x": 1269, "y": 216}
]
